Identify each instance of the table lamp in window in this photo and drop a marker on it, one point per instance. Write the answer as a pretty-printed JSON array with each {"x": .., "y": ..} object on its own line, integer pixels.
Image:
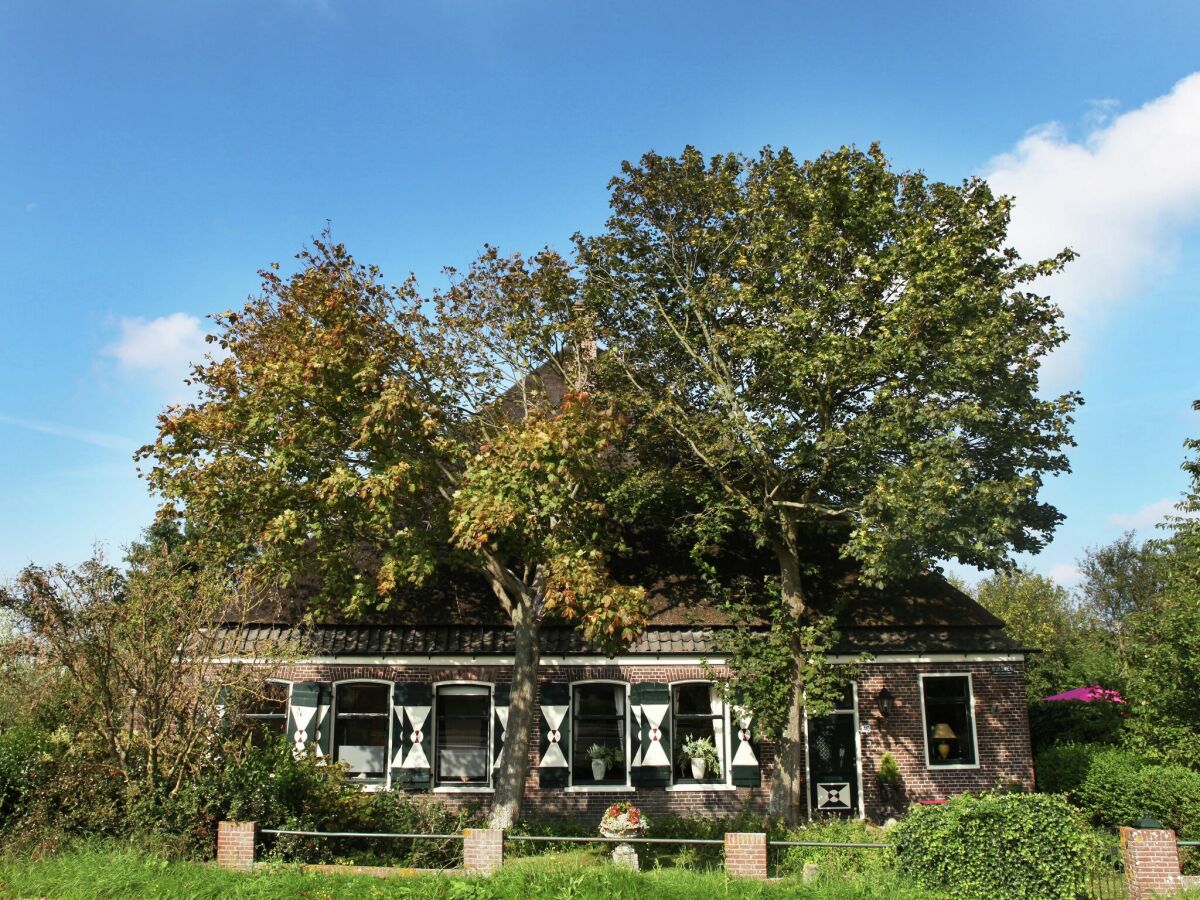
[{"x": 944, "y": 734}]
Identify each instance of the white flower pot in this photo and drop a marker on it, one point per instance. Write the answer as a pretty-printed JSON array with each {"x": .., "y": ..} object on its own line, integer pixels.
[
  {"x": 699, "y": 767},
  {"x": 599, "y": 767}
]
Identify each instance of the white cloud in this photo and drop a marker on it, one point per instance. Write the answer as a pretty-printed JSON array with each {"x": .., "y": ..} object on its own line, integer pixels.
[
  {"x": 70, "y": 432},
  {"x": 1120, "y": 197},
  {"x": 162, "y": 349},
  {"x": 1146, "y": 517},
  {"x": 1065, "y": 574}
]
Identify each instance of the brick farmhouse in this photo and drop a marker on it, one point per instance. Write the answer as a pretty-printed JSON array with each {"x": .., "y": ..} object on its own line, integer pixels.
[{"x": 421, "y": 706}]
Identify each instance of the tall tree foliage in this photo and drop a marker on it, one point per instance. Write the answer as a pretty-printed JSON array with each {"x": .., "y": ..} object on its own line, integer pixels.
[
  {"x": 849, "y": 352},
  {"x": 356, "y": 436},
  {"x": 1163, "y": 640}
]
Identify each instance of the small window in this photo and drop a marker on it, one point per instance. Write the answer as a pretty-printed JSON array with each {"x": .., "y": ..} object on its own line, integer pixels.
[
  {"x": 266, "y": 713},
  {"x": 464, "y": 723},
  {"x": 598, "y": 735},
  {"x": 949, "y": 725},
  {"x": 361, "y": 729},
  {"x": 699, "y": 716}
]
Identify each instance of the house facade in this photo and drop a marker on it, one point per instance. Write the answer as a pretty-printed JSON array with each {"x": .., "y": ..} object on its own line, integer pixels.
[{"x": 424, "y": 708}]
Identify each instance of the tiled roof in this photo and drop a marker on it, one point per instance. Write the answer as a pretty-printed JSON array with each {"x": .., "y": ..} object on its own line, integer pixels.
[{"x": 467, "y": 640}]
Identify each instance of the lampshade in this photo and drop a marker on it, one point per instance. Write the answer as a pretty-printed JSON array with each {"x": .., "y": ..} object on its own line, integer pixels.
[{"x": 943, "y": 732}]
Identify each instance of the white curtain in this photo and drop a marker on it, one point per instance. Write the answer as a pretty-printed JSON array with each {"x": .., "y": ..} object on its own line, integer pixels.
[
  {"x": 718, "y": 710},
  {"x": 619, "y": 703}
]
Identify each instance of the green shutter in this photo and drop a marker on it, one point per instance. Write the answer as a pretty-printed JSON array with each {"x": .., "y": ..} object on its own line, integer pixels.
[
  {"x": 324, "y": 720},
  {"x": 412, "y": 736},
  {"x": 745, "y": 766},
  {"x": 554, "y": 766},
  {"x": 500, "y": 698},
  {"x": 302, "y": 722},
  {"x": 654, "y": 765}
]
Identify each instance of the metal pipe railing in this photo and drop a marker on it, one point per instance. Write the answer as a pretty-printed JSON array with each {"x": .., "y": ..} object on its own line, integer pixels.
[
  {"x": 610, "y": 840},
  {"x": 360, "y": 834}
]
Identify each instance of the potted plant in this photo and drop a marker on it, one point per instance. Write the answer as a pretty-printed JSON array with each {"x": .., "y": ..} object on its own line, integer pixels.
[
  {"x": 603, "y": 758},
  {"x": 700, "y": 754},
  {"x": 890, "y": 786}
]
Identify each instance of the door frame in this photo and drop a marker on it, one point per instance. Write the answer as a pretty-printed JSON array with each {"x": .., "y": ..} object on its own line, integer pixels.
[{"x": 853, "y": 711}]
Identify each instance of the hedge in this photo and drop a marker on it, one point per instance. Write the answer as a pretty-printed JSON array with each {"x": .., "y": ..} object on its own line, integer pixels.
[{"x": 1029, "y": 846}]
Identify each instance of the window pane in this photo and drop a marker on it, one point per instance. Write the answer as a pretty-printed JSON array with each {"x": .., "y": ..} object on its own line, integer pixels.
[
  {"x": 363, "y": 698},
  {"x": 463, "y": 722},
  {"x": 948, "y": 720},
  {"x": 699, "y": 714},
  {"x": 598, "y": 720},
  {"x": 271, "y": 700},
  {"x": 360, "y": 733}
]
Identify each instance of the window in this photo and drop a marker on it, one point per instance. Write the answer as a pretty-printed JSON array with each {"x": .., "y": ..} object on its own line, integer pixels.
[
  {"x": 598, "y": 716},
  {"x": 266, "y": 713},
  {"x": 464, "y": 725},
  {"x": 699, "y": 714},
  {"x": 362, "y": 729},
  {"x": 949, "y": 724}
]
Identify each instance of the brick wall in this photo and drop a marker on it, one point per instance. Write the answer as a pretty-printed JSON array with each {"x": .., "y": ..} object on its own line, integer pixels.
[
  {"x": 235, "y": 844},
  {"x": 483, "y": 850},
  {"x": 1152, "y": 863},
  {"x": 1002, "y": 729},
  {"x": 746, "y": 854}
]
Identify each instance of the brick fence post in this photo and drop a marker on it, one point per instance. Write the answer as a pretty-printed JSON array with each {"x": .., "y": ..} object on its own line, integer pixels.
[
  {"x": 1151, "y": 862},
  {"x": 483, "y": 850},
  {"x": 235, "y": 844},
  {"x": 746, "y": 854}
]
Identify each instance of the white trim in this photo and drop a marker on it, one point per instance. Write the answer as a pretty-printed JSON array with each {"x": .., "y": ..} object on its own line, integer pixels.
[
  {"x": 462, "y": 789},
  {"x": 483, "y": 659},
  {"x": 387, "y": 750},
  {"x": 599, "y": 788},
  {"x": 726, "y": 752},
  {"x": 894, "y": 658},
  {"x": 701, "y": 786},
  {"x": 628, "y": 785},
  {"x": 678, "y": 659},
  {"x": 925, "y": 725},
  {"x": 433, "y": 763}
]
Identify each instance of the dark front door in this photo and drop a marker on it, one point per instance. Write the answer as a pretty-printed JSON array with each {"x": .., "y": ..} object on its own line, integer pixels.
[{"x": 833, "y": 766}]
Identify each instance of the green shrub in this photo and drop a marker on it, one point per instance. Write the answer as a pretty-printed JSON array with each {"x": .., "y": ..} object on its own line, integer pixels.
[
  {"x": 1073, "y": 722},
  {"x": 21, "y": 748},
  {"x": 1013, "y": 845},
  {"x": 855, "y": 863},
  {"x": 1063, "y": 768},
  {"x": 1110, "y": 793}
]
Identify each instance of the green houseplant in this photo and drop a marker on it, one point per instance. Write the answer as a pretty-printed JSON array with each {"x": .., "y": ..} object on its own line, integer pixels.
[{"x": 700, "y": 754}]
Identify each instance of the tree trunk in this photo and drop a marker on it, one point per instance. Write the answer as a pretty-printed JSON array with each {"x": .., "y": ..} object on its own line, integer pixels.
[
  {"x": 789, "y": 779},
  {"x": 514, "y": 764}
]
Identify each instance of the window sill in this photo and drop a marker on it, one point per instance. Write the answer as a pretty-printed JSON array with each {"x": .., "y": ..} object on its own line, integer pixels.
[
  {"x": 599, "y": 788},
  {"x": 937, "y": 768},
  {"x": 464, "y": 789},
  {"x": 714, "y": 786}
]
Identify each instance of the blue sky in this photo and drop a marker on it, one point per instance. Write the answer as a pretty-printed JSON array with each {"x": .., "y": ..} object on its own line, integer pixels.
[{"x": 154, "y": 155}]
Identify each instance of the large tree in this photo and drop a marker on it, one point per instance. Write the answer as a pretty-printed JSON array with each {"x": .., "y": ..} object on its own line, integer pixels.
[
  {"x": 354, "y": 439},
  {"x": 1162, "y": 638},
  {"x": 850, "y": 353}
]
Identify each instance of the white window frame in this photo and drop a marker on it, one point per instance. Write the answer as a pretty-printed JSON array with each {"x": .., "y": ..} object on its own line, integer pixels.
[
  {"x": 386, "y": 784},
  {"x": 600, "y": 788},
  {"x": 726, "y": 751},
  {"x": 488, "y": 788},
  {"x": 925, "y": 724}
]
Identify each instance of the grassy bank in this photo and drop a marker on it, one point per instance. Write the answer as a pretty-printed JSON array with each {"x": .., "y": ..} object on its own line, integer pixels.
[{"x": 91, "y": 874}]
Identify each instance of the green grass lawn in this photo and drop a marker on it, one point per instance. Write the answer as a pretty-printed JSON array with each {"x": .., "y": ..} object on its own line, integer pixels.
[{"x": 103, "y": 873}]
